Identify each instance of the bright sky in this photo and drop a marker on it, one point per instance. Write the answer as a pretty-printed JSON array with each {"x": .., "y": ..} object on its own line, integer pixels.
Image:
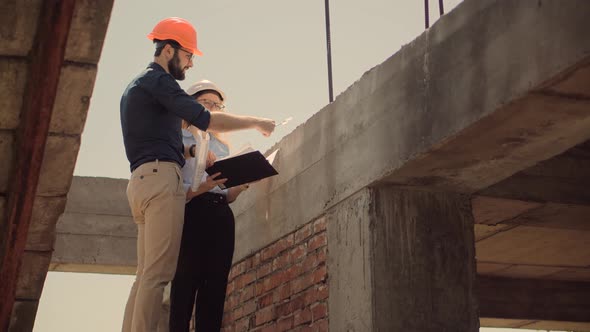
[{"x": 270, "y": 58}]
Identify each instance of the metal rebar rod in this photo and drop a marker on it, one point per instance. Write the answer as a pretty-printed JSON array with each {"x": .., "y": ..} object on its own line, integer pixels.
[
  {"x": 426, "y": 17},
  {"x": 329, "y": 53}
]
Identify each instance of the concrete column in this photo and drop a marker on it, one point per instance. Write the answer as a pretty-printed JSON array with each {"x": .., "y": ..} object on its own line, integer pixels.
[{"x": 402, "y": 261}]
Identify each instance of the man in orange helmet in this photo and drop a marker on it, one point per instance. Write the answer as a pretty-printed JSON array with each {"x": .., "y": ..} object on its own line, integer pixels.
[{"x": 152, "y": 108}]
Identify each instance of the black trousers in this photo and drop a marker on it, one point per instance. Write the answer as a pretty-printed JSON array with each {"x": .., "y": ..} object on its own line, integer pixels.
[{"x": 206, "y": 253}]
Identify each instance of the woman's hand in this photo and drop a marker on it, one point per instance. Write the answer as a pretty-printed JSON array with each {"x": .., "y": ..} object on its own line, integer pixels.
[{"x": 204, "y": 187}]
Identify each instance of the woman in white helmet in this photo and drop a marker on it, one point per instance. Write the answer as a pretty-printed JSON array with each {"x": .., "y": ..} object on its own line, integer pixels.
[{"x": 207, "y": 245}]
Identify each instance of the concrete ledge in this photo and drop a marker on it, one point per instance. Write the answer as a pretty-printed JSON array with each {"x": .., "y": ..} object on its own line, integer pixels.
[
  {"x": 96, "y": 234},
  {"x": 100, "y": 196},
  {"x": 94, "y": 252}
]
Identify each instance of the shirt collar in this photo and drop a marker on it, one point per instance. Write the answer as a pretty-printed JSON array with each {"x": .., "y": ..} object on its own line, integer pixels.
[{"x": 156, "y": 66}]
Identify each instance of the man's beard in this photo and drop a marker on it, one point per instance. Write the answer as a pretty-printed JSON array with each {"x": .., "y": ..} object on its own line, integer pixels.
[{"x": 174, "y": 67}]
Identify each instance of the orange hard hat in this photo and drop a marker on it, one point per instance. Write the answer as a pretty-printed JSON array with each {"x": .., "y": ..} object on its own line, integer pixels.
[{"x": 177, "y": 29}]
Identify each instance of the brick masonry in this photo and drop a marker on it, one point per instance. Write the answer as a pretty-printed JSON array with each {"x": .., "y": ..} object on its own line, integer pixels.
[{"x": 282, "y": 287}]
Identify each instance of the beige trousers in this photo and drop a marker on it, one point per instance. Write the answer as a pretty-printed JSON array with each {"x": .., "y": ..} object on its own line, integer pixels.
[{"x": 157, "y": 198}]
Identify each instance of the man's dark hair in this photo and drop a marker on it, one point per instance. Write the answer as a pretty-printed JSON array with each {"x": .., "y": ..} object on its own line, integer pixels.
[{"x": 161, "y": 43}]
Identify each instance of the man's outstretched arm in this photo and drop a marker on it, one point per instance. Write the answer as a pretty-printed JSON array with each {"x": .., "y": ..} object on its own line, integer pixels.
[{"x": 224, "y": 122}]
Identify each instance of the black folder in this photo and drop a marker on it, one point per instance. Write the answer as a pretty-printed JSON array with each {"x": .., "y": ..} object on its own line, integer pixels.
[{"x": 243, "y": 168}]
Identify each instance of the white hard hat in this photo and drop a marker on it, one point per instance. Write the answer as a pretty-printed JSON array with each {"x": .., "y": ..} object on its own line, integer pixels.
[{"x": 204, "y": 85}]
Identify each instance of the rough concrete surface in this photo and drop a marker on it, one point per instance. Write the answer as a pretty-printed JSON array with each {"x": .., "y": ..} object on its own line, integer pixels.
[
  {"x": 58, "y": 165},
  {"x": 72, "y": 99},
  {"x": 19, "y": 24},
  {"x": 32, "y": 275},
  {"x": 423, "y": 261},
  {"x": 88, "y": 30},
  {"x": 349, "y": 263},
  {"x": 7, "y": 151},
  {"x": 13, "y": 77},
  {"x": 41, "y": 235},
  {"x": 23, "y": 316}
]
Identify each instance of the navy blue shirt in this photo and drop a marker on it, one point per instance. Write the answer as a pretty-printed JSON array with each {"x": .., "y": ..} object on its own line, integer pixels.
[{"x": 152, "y": 108}]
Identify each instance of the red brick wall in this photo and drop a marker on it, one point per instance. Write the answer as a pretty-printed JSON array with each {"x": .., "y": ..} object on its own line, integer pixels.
[{"x": 282, "y": 287}]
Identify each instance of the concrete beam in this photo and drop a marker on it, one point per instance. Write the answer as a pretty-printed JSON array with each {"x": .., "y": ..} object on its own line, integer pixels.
[
  {"x": 96, "y": 234},
  {"x": 529, "y": 299},
  {"x": 417, "y": 119}
]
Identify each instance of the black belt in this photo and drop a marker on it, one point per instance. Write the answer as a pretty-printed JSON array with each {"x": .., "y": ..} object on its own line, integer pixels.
[
  {"x": 213, "y": 198},
  {"x": 151, "y": 161}
]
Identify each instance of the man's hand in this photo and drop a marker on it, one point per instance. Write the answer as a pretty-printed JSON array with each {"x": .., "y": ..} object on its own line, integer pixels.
[
  {"x": 265, "y": 126},
  {"x": 211, "y": 157}
]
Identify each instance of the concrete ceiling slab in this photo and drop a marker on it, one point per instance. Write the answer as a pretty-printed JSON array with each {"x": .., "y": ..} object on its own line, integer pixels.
[
  {"x": 13, "y": 78},
  {"x": 509, "y": 323},
  {"x": 553, "y": 215},
  {"x": 572, "y": 274},
  {"x": 534, "y": 325},
  {"x": 576, "y": 83},
  {"x": 557, "y": 326},
  {"x": 485, "y": 231},
  {"x": 491, "y": 210},
  {"x": 537, "y": 246},
  {"x": 562, "y": 179},
  {"x": 18, "y": 26},
  {"x": 487, "y": 268},
  {"x": 527, "y": 271},
  {"x": 72, "y": 99}
]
